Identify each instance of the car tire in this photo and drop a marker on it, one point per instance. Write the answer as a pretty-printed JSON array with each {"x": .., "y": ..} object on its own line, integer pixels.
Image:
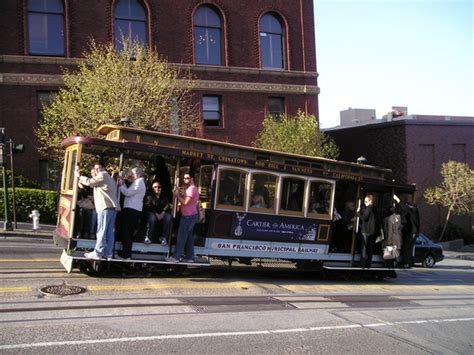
[{"x": 429, "y": 261}]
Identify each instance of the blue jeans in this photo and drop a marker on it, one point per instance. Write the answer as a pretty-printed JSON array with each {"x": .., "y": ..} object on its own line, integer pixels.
[
  {"x": 104, "y": 245},
  {"x": 185, "y": 239},
  {"x": 151, "y": 226}
]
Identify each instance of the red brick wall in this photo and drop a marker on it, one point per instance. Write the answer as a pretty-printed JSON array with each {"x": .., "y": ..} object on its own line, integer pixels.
[
  {"x": 414, "y": 151},
  {"x": 171, "y": 33}
]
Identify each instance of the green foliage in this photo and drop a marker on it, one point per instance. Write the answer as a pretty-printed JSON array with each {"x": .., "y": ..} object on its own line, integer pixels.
[
  {"x": 110, "y": 85},
  {"x": 452, "y": 232},
  {"x": 28, "y": 200},
  {"x": 298, "y": 134},
  {"x": 455, "y": 192},
  {"x": 456, "y": 189},
  {"x": 21, "y": 181}
]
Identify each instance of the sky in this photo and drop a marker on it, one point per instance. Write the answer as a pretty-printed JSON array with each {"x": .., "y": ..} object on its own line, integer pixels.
[{"x": 376, "y": 54}]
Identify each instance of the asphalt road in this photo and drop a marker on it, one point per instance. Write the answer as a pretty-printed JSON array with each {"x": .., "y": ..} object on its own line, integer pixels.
[{"x": 220, "y": 310}]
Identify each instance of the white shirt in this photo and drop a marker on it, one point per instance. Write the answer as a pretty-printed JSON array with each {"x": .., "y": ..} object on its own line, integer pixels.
[{"x": 134, "y": 194}]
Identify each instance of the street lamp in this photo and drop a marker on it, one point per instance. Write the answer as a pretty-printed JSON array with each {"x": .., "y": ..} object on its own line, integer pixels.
[{"x": 126, "y": 121}]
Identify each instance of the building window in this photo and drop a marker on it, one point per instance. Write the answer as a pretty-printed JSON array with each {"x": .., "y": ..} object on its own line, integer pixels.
[
  {"x": 50, "y": 174},
  {"x": 271, "y": 43},
  {"x": 130, "y": 22},
  {"x": 46, "y": 27},
  {"x": 207, "y": 36},
  {"x": 44, "y": 99},
  {"x": 276, "y": 106},
  {"x": 211, "y": 110}
]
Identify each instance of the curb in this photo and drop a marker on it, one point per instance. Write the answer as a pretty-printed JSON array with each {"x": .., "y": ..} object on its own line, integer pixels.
[{"x": 27, "y": 234}]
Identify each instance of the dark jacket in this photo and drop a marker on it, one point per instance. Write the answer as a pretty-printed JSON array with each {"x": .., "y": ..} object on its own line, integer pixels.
[
  {"x": 155, "y": 204},
  {"x": 368, "y": 220},
  {"x": 410, "y": 218}
]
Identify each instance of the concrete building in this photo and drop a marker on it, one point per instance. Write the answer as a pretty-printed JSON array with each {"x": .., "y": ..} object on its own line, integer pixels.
[
  {"x": 250, "y": 58},
  {"x": 414, "y": 147}
]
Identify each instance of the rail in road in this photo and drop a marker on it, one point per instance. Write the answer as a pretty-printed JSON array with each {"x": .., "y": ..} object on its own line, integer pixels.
[
  {"x": 146, "y": 324},
  {"x": 29, "y": 311}
]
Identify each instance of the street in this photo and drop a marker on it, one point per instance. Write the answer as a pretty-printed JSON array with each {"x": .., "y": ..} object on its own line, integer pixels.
[{"x": 221, "y": 310}]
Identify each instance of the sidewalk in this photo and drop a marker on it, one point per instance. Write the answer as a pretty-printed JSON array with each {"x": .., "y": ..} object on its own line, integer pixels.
[
  {"x": 26, "y": 230},
  {"x": 46, "y": 231},
  {"x": 458, "y": 255}
]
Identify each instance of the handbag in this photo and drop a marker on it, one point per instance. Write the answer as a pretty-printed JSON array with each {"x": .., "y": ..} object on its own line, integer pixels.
[{"x": 390, "y": 252}]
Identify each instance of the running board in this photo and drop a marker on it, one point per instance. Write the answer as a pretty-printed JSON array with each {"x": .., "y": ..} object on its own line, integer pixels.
[
  {"x": 139, "y": 258},
  {"x": 357, "y": 268}
]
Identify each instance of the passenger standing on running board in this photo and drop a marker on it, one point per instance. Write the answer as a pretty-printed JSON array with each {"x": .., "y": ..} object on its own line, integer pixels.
[
  {"x": 189, "y": 217},
  {"x": 106, "y": 205},
  {"x": 132, "y": 210}
]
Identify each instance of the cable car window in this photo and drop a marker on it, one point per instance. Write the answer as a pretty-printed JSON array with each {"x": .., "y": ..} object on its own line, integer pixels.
[
  {"x": 71, "y": 167},
  {"x": 205, "y": 180},
  {"x": 320, "y": 196},
  {"x": 292, "y": 195},
  {"x": 231, "y": 189},
  {"x": 262, "y": 192}
]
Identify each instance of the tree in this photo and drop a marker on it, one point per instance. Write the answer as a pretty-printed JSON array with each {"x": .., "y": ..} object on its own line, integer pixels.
[
  {"x": 455, "y": 192},
  {"x": 111, "y": 85},
  {"x": 297, "y": 134}
]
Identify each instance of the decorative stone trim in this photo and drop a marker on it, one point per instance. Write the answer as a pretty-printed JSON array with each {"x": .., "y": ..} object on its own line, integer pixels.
[
  {"x": 211, "y": 85},
  {"x": 19, "y": 59},
  {"x": 31, "y": 79},
  {"x": 57, "y": 80}
]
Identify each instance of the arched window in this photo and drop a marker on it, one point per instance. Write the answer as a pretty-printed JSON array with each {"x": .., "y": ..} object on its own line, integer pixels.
[
  {"x": 207, "y": 36},
  {"x": 46, "y": 27},
  {"x": 130, "y": 22},
  {"x": 271, "y": 43}
]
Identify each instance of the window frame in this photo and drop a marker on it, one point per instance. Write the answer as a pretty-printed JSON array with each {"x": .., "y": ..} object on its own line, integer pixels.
[
  {"x": 219, "y": 111},
  {"x": 145, "y": 20},
  {"x": 221, "y": 206},
  {"x": 46, "y": 14},
  {"x": 315, "y": 215},
  {"x": 282, "y": 42},
  {"x": 285, "y": 212},
  {"x": 267, "y": 210},
  {"x": 283, "y": 106},
  {"x": 207, "y": 28}
]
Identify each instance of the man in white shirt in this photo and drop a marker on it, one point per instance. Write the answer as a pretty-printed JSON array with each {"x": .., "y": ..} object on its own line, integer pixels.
[{"x": 132, "y": 210}]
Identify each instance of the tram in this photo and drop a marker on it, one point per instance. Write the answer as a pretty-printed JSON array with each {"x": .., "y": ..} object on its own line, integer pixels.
[{"x": 306, "y": 218}]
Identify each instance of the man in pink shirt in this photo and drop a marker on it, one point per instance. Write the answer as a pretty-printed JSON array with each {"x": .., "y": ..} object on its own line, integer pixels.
[{"x": 189, "y": 217}]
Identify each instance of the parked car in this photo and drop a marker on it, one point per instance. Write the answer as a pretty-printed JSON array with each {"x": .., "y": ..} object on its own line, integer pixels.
[{"x": 426, "y": 252}]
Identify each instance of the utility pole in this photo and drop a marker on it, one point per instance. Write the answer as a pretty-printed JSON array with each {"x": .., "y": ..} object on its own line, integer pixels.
[
  {"x": 7, "y": 225},
  {"x": 11, "y": 146}
]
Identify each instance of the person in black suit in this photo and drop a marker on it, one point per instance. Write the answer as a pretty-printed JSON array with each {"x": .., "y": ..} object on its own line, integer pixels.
[{"x": 368, "y": 223}]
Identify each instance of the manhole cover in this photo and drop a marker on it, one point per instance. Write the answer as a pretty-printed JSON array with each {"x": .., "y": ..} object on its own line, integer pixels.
[{"x": 62, "y": 290}]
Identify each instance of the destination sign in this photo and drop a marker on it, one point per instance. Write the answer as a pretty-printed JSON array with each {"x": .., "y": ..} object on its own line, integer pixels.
[{"x": 265, "y": 164}]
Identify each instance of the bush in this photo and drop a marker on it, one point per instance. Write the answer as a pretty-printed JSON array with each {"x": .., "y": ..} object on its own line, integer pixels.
[
  {"x": 453, "y": 232},
  {"x": 20, "y": 181},
  {"x": 28, "y": 200}
]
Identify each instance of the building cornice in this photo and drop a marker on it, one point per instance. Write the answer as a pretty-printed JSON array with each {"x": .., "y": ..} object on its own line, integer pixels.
[
  {"x": 402, "y": 122},
  {"x": 56, "y": 80},
  {"x": 19, "y": 59},
  {"x": 31, "y": 79}
]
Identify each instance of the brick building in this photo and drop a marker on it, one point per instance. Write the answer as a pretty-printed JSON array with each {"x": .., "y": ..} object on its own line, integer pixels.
[
  {"x": 414, "y": 147},
  {"x": 250, "y": 58}
]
